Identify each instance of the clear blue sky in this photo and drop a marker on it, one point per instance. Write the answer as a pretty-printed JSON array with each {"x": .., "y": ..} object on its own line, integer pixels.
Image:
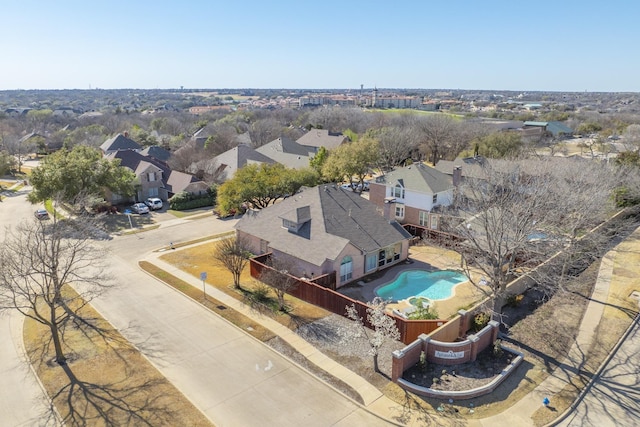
[{"x": 561, "y": 45}]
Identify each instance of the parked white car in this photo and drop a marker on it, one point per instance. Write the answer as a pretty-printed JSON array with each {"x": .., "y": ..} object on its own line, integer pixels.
[{"x": 154, "y": 203}]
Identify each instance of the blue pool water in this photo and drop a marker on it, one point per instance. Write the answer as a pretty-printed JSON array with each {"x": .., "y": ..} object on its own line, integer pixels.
[{"x": 433, "y": 285}]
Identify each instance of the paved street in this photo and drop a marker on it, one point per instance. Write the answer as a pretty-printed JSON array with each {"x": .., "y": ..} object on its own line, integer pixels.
[
  {"x": 22, "y": 400},
  {"x": 233, "y": 378},
  {"x": 614, "y": 399}
]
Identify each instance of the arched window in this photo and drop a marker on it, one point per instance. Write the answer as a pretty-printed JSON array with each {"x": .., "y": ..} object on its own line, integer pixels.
[{"x": 346, "y": 269}]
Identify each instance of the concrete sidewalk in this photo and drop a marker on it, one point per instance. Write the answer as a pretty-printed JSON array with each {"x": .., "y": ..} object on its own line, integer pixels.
[{"x": 519, "y": 414}]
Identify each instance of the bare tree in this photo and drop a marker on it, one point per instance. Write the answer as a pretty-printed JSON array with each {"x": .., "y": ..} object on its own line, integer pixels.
[
  {"x": 437, "y": 132},
  {"x": 396, "y": 145},
  {"x": 631, "y": 138},
  {"x": 280, "y": 278},
  {"x": 264, "y": 131},
  {"x": 40, "y": 258},
  {"x": 383, "y": 328},
  {"x": 233, "y": 254},
  {"x": 18, "y": 148},
  {"x": 518, "y": 214}
]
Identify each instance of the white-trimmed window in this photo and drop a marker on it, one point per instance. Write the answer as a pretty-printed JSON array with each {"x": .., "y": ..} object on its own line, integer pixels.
[
  {"x": 397, "y": 192},
  {"x": 153, "y": 192},
  {"x": 399, "y": 210},
  {"x": 371, "y": 262},
  {"x": 423, "y": 219},
  {"x": 346, "y": 269},
  {"x": 152, "y": 176}
]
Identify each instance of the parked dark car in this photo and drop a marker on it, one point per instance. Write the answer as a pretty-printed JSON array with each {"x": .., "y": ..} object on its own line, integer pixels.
[{"x": 41, "y": 214}]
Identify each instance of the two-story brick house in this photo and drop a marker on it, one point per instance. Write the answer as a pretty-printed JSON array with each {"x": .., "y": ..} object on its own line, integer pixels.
[{"x": 415, "y": 191}]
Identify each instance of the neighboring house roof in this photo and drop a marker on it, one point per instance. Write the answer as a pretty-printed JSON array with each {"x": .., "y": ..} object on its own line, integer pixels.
[
  {"x": 322, "y": 138},
  {"x": 234, "y": 159},
  {"x": 418, "y": 177},
  {"x": 536, "y": 124},
  {"x": 31, "y": 135},
  {"x": 471, "y": 166},
  {"x": 287, "y": 152},
  {"x": 329, "y": 219},
  {"x": 174, "y": 181},
  {"x": 119, "y": 142},
  {"x": 557, "y": 128},
  {"x": 157, "y": 152}
]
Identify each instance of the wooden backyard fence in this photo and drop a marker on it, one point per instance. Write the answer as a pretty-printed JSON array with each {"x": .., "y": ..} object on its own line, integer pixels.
[{"x": 320, "y": 291}]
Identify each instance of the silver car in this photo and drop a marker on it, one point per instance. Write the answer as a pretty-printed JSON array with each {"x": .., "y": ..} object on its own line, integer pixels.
[{"x": 140, "y": 208}]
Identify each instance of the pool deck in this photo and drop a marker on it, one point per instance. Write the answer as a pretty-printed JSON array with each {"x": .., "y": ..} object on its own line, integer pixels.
[{"x": 420, "y": 258}]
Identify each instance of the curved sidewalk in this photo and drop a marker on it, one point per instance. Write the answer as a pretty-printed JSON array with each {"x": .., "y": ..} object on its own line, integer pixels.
[{"x": 519, "y": 414}]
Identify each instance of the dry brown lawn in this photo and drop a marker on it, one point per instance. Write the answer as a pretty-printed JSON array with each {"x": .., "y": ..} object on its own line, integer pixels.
[
  {"x": 199, "y": 258},
  {"x": 106, "y": 380},
  {"x": 238, "y": 319}
]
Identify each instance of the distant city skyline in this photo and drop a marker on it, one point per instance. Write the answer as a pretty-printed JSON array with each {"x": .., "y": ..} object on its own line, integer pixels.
[{"x": 495, "y": 45}]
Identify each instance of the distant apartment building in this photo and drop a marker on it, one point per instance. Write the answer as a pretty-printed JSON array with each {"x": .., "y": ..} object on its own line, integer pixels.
[{"x": 342, "y": 100}]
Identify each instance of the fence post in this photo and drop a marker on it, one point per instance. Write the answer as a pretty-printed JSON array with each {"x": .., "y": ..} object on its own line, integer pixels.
[{"x": 474, "y": 347}]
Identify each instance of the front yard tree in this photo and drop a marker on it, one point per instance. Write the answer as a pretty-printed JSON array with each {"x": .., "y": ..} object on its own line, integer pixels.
[
  {"x": 233, "y": 254},
  {"x": 40, "y": 258},
  {"x": 82, "y": 171},
  {"x": 280, "y": 279},
  {"x": 352, "y": 160},
  {"x": 7, "y": 163},
  {"x": 383, "y": 328},
  {"x": 259, "y": 185}
]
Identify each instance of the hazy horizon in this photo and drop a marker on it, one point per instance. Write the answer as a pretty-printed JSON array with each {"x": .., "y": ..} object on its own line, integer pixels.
[{"x": 501, "y": 45}]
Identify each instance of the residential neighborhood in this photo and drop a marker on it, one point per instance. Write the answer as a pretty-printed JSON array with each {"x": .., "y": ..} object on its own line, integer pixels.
[{"x": 451, "y": 237}]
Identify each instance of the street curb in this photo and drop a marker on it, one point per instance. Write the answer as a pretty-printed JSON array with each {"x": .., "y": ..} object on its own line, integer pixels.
[
  {"x": 358, "y": 404},
  {"x": 596, "y": 375}
]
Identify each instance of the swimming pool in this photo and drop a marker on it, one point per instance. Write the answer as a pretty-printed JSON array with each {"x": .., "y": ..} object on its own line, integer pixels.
[{"x": 434, "y": 285}]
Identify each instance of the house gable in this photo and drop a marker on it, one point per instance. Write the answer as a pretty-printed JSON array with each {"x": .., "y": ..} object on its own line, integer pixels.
[{"x": 119, "y": 142}]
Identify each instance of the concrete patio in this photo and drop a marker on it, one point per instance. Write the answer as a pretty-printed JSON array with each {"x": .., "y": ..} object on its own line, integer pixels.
[{"x": 427, "y": 258}]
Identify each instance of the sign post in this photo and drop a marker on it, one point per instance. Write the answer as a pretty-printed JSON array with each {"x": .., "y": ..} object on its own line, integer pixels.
[
  {"x": 203, "y": 277},
  {"x": 127, "y": 212}
]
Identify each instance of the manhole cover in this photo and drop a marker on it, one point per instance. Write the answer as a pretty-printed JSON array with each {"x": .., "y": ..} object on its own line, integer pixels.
[{"x": 635, "y": 295}]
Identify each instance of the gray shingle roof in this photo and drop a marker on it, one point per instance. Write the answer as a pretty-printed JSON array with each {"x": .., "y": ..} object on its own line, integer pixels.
[
  {"x": 119, "y": 142},
  {"x": 418, "y": 177},
  {"x": 156, "y": 152},
  {"x": 238, "y": 157},
  {"x": 287, "y": 152},
  {"x": 337, "y": 218},
  {"x": 322, "y": 138},
  {"x": 174, "y": 181}
]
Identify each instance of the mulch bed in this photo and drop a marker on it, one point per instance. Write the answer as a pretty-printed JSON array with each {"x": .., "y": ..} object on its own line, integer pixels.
[{"x": 466, "y": 376}]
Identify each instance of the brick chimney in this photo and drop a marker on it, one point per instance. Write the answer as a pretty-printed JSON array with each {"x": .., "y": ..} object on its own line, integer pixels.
[
  {"x": 389, "y": 209},
  {"x": 457, "y": 175}
]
